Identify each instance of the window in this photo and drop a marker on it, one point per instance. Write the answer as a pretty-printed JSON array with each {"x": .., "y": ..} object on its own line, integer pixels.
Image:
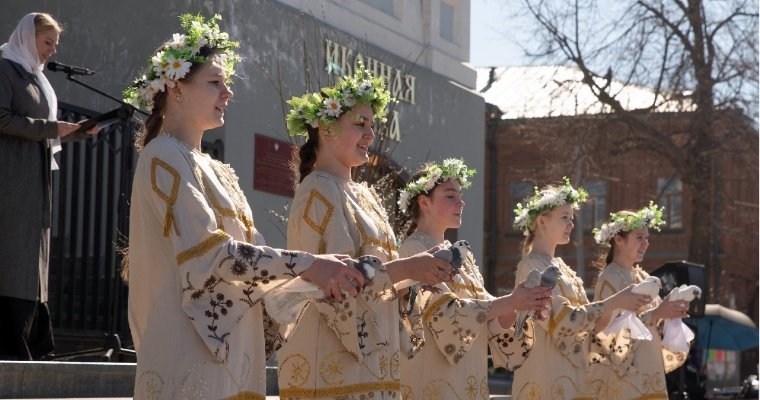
[
  {"x": 518, "y": 191},
  {"x": 385, "y": 6},
  {"x": 446, "y": 26},
  {"x": 594, "y": 211},
  {"x": 670, "y": 196}
]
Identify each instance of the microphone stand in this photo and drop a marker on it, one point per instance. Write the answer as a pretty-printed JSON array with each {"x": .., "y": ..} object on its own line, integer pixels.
[{"x": 131, "y": 108}]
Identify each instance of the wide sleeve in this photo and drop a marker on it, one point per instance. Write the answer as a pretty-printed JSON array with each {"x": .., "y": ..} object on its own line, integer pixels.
[
  {"x": 13, "y": 124},
  {"x": 571, "y": 318},
  {"x": 454, "y": 323},
  {"x": 221, "y": 278},
  {"x": 616, "y": 350},
  {"x": 321, "y": 222}
]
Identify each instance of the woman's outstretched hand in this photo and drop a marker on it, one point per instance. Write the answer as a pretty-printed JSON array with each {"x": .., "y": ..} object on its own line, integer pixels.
[
  {"x": 333, "y": 276},
  {"x": 525, "y": 299},
  {"x": 671, "y": 310},
  {"x": 626, "y": 299},
  {"x": 423, "y": 267}
]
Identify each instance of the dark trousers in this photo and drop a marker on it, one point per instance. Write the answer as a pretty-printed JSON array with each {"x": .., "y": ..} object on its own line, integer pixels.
[{"x": 26, "y": 333}]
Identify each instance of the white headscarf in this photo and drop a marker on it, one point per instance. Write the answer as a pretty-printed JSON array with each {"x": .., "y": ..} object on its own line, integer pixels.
[{"x": 22, "y": 49}]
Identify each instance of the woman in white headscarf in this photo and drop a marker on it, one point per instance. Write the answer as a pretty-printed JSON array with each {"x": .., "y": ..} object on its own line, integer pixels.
[{"x": 29, "y": 136}]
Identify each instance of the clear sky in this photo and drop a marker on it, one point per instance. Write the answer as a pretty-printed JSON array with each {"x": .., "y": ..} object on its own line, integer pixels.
[{"x": 495, "y": 32}]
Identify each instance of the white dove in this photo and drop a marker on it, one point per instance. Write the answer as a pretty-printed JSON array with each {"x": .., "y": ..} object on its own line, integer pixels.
[
  {"x": 285, "y": 302},
  {"x": 547, "y": 278},
  {"x": 685, "y": 293},
  {"x": 676, "y": 335},
  {"x": 628, "y": 319},
  {"x": 650, "y": 286}
]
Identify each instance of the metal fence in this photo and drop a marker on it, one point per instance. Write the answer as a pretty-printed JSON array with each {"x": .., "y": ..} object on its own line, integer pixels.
[
  {"x": 91, "y": 194},
  {"x": 90, "y": 212}
]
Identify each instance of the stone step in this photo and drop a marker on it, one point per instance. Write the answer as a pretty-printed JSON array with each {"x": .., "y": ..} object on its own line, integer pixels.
[{"x": 61, "y": 379}]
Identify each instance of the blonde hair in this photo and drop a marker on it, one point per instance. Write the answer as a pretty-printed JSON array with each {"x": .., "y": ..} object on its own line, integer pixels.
[
  {"x": 44, "y": 22},
  {"x": 527, "y": 244},
  {"x": 607, "y": 254}
]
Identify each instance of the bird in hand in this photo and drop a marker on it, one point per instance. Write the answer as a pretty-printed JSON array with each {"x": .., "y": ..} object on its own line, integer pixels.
[{"x": 547, "y": 278}]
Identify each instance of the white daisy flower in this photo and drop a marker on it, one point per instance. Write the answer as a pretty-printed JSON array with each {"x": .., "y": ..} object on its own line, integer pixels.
[
  {"x": 146, "y": 93},
  {"x": 403, "y": 202},
  {"x": 177, "y": 42},
  {"x": 332, "y": 107},
  {"x": 159, "y": 64},
  {"x": 161, "y": 83},
  {"x": 200, "y": 43},
  {"x": 177, "y": 68}
]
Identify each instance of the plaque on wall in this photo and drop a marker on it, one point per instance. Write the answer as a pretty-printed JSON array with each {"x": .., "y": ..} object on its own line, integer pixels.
[{"x": 271, "y": 166}]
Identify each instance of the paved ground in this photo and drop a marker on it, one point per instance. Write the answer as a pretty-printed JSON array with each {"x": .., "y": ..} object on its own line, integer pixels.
[{"x": 268, "y": 398}]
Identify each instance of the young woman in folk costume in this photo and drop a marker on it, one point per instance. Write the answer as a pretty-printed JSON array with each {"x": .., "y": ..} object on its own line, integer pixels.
[
  {"x": 622, "y": 367},
  {"x": 454, "y": 325},
  {"x": 197, "y": 266},
  {"x": 558, "y": 365},
  {"x": 348, "y": 349}
]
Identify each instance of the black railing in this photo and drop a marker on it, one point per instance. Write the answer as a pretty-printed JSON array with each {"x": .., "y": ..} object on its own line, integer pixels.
[
  {"x": 91, "y": 194},
  {"x": 90, "y": 213}
]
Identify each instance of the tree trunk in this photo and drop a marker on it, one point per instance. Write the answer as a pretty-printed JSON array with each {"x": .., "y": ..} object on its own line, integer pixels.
[{"x": 700, "y": 239}]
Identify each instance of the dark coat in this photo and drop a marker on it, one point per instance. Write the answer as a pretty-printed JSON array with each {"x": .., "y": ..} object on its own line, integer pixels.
[{"x": 25, "y": 184}]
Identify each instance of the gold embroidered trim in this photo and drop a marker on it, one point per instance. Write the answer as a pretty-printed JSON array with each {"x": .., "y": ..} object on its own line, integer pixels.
[
  {"x": 245, "y": 396},
  {"x": 460, "y": 286},
  {"x": 380, "y": 221},
  {"x": 436, "y": 305},
  {"x": 554, "y": 321},
  {"x": 653, "y": 396},
  {"x": 169, "y": 199},
  {"x": 228, "y": 212},
  {"x": 340, "y": 390},
  {"x": 322, "y": 226},
  {"x": 203, "y": 247}
]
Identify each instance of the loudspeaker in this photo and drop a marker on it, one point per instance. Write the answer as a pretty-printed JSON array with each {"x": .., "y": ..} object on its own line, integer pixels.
[{"x": 677, "y": 273}]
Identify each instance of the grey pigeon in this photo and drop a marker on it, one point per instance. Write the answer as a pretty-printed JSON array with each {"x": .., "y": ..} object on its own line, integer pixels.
[
  {"x": 454, "y": 255},
  {"x": 367, "y": 265},
  {"x": 547, "y": 278}
]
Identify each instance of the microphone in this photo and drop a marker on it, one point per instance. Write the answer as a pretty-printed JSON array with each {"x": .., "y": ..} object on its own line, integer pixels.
[{"x": 71, "y": 70}]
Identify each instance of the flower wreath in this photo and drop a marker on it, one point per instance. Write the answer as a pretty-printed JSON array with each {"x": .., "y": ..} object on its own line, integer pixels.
[
  {"x": 649, "y": 216},
  {"x": 450, "y": 168},
  {"x": 545, "y": 200},
  {"x": 174, "y": 58},
  {"x": 327, "y": 105}
]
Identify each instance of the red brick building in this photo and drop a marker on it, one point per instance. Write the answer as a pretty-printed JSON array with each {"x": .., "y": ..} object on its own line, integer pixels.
[{"x": 522, "y": 152}]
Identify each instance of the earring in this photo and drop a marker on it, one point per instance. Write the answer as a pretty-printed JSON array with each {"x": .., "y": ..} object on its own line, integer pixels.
[{"x": 178, "y": 97}]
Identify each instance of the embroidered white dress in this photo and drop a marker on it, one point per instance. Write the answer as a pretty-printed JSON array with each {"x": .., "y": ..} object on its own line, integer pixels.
[
  {"x": 197, "y": 269},
  {"x": 452, "y": 335},
  {"x": 347, "y": 350},
  {"x": 557, "y": 367},
  {"x": 624, "y": 368}
]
